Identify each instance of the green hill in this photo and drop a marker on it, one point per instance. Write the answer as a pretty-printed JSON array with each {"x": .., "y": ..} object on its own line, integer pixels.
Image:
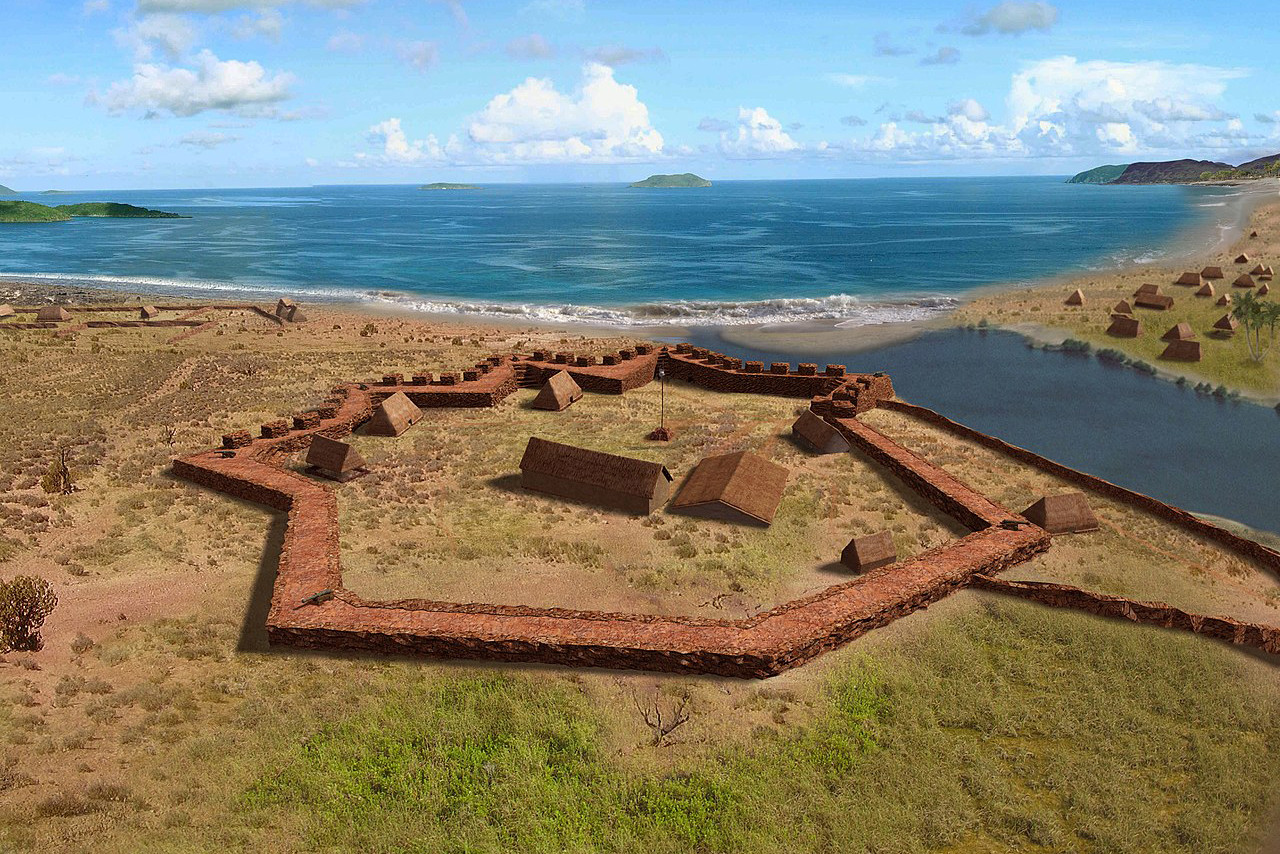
[
  {"x": 116, "y": 209},
  {"x": 1099, "y": 175},
  {"x": 30, "y": 212},
  {"x": 449, "y": 187},
  {"x": 5, "y": 191},
  {"x": 668, "y": 182},
  {"x": 34, "y": 212}
]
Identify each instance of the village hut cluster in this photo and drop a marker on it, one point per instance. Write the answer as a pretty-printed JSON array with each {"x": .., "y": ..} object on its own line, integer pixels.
[{"x": 1181, "y": 342}]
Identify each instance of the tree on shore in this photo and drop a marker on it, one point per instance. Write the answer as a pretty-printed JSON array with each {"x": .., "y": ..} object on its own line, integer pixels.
[{"x": 1257, "y": 317}]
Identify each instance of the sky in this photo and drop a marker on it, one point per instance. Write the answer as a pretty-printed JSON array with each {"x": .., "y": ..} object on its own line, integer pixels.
[{"x": 148, "y": 94}]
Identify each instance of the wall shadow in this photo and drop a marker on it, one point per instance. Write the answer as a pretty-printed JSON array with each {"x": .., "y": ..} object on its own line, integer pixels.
[{"x": 253, "y": 629}]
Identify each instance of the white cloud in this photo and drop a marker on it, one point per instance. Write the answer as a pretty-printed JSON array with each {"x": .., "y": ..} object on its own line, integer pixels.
[
  {"x": 622, "y": 55},
  {"x": 206, "y": 139},
  {"x": 944, "y": 55},
  {"x": 345, "y": 42},
  {"x": 213, "y": 84},
  {"x": 970, "y": 109},
  {"x": 759, "y": 135},
  {"x": 268, "y": 23},
  {"x": 1012, "y": 17},
  {"x": 856, "y": 81},
  {"x": 421, "y": 55},
  {"x": 602, "y": 121},
  {"x": 532, "y": 46},
  {"x": 172, "y": 34}
]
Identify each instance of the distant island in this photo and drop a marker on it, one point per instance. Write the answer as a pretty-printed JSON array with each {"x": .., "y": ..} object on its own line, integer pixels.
[
  {"x": 670, "y": 182},
  {"x": 442, "y": 186},
  {"x": 34, "y": 212},
  {"x": 55, "y": 192},
  {"x": 1184, "y": 171}
]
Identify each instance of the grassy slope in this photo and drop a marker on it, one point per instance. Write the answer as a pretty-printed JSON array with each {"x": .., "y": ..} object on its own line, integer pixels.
[
  {"x": 6, "y": 191},
  {"x": 30, "y": 212},
  {"x": 1099, "y": 175},
  {"x": 115, "y": 209}
]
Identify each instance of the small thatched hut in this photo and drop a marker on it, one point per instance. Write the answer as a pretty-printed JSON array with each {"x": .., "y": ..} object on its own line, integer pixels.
[
  {"x": 815, "y": 433},
  {"x": 148, "y": 312},
  {"x": 52, "y": 314},
  {"x": 1212, "y": 273},
  {"x": 1258, "y": 269},
  {"x": 1242, "y": 259},
  {"x": 6, "y": 310},
  {"x": 1182, "y": 351},
  {"x": 1179, "y": 332},
  {"x": 594, "y": 477},
  {"x": 738, "y": 487},
  {"x": 1192, "y": 279},
  {"x": 1206, "y": 290},
  {"x": 1146, "y": 288},
  {"x": 558, "y": 393},
  {"x": 393, "y": 416},
  {"x": 1158, "y": 301},
  {"x": 1123, "y": 307},
  {"x": 1068, "y": 513},
  {"x": 284, "y": 305},
  {"x": 1264, "y": 289},
  {"x": 1076, "y": 298},
  {"x": 1225, "y": 299},
  {"x": 1124, "y": 326},
  {"x": 1227, "y": 323},
  {"x": 870, "y": 552},
  {"x": 334, "y": 460},
  {"x": 1266, "y": 273},
  {"x": 1244, "y": 280}
]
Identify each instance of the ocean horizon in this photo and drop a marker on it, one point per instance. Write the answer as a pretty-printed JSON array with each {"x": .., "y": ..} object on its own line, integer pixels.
[{"x": 850, "y": 251}]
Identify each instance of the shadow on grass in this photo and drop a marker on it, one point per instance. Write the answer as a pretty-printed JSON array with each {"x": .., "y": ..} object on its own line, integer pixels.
[{"x": 253, "y": 630}]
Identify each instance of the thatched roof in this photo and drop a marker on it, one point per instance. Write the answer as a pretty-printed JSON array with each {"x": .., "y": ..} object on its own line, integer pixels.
[
  {"x": 738, "y": 487},
  {"x": 1147, "y": 288},
  {"x": 1206, "y": 290},
  {"x": 1179, "y": 332},
  {"x": 1227, "y": 323},
  {"x": 52, "y": 314},
  {"x": 1192, "y": 279},
  {"x": 1266, "y": 273},
  {"x": 1076, "y": 298},
  {"x": 1123, "y": 307},
  {"x": 1182, "y": 351},
  {"x": 1068, "y": 513},
  {"x": 333, "y": 456},
  {"x": 869, "y": 552},
  {"x": 283, "y": 306},
  {"x": 148, "y": 311},
  {"x": 1244, "y": 280},
  {"x": 1123, "y": 326},
  {"x": 1257, "y": 269},
  {"x": 1242, "y": 259},
  {"x": 1212, "y": 273},
  {"x": 1157, "y": 301},
  {"x": 393, "y": 416},
  {"x": 1263, "y": 289},
  {"x": 558, "y": 392},
  {"x": 6, "y": 310},
  {"x": 567, "y": 463},
  {"x": 817, "y": 434},
  {"x": 1225, "y": 299}
]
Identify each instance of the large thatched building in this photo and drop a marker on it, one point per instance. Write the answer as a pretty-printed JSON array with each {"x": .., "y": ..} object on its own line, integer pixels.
[
  {"x": 594, "y": 477},
  {"x": 52, "y": 314},
  {"x": 738, "y": 487},
  {"x": 870, "y": 552},
  {"x": 334, "y": 460},
  {"x": 1068, "y": 513}
]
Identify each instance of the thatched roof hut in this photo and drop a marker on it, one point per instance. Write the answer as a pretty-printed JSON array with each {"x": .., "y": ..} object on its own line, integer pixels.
[
  {"x": 558, "y": 393},
  {"x": 1146, "y": 288},
  {"x": 1206, "y": 290},
  {"x": 1227, "y": 323},
  {"x": 594, "y": 477},
  {"x": 1124, "y": 326},
  {"x": 52, "y": 314},
  {"x": 738, "y": 487},
  {"x": 1192, "y": 279},
  {"x": 1123, "y": 307},
  {"x": 1068, "y": 513},
  {"x": 1258, "y": 269},
  {"x": 147, "y": 312},
  {"x": 816, "y": 433},
  {"x": 1244, "y": 280},
  {"x": 1242, "y": 259},
  {"x": 393, "y": 416},
  {"x": 869, "y": 552},
  {"x": 334, "y": 459},
  {"x": 284, "y": 305},
  {"x": 1266, "y": 273},
  {"x": 1076, "y": 298},
  {"x": 1158, "y": 301},
  {"x": 1225, "y": 299},
  {"x": 1182, "y": 351},
  {"x": 6, "y": 310},
  {"x": 1264, "y": 289},
  {"x": 1212, "y": 273},
  {"x": 1179, "y": 332}
]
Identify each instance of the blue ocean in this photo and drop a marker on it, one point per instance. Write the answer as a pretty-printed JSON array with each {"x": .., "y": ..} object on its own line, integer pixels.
[{"x": 861, "y": 251}]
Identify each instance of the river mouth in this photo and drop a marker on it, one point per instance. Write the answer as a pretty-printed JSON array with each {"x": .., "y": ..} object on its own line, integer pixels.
[{"x": 1203, "y": 454}]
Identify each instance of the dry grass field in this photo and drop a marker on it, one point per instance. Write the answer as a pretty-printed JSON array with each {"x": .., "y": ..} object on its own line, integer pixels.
[{"x": 156, "y": 720}]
